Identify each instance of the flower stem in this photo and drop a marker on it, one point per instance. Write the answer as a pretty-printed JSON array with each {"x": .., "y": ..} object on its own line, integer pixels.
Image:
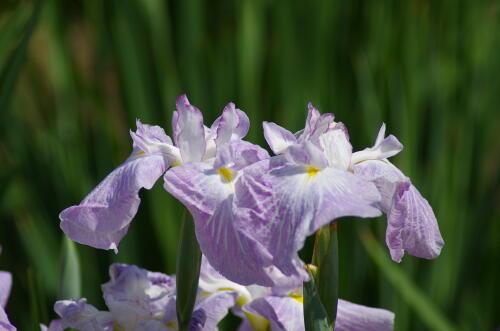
[{"x": 188, "y": 271}]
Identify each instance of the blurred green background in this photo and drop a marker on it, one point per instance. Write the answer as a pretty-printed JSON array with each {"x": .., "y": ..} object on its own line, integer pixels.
[{"x": 76, "y": 74}]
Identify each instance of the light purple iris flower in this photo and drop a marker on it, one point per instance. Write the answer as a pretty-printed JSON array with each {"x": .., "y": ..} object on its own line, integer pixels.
[
  {"x": 411, "y": 224},
  {"x": 311, "y": 184},
  {"x": 102, "y": 219},
  {"x": 5, "y": 286},
  {"x": 281, "y": 307},
  {"x": 138, "y": 299}
]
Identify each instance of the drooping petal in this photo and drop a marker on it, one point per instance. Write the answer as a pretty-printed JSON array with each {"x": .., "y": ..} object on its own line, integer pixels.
[
  {"x": 382, "y": 149},
  {"x": 283, "y": 312},
  {"x": 245, "y": 326},
  {"x": 208, "y": 195},
  {"x": 411, "y": 223},
  {"x": 337, "y": 149},
  {"x": 233, "y": 125},
  {"x": 102, "y": 219},
  {"x": 412, "y": 226},
  {"x": 211, "y": 309},
  {"x": 306, "y": 200},
  {"x": 190, "y": 132},
  {"x": 353, "y": 317},
  {"x": 79, "y": 315},
  {"x": 278, "y": 138},
  {"x": 5, "y": 286}
]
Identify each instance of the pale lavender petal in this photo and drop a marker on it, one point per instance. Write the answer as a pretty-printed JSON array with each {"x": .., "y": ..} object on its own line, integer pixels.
[
  {"x": 55, "y": 325},
  {"x": 306, "y": 153},
  {"x": 382, "y": 149},
  {"x": 412, "y": 226},
  {"x": 190, "y": 137},
  {"x": 313, "y": 116},
  {"x": 151, "y": 325},
  {"x": 211, "y": 309},
  {"x": 283, "y": 312},
  {"x": 209, "y": 198},
  {"x": 337, "y": 149},
  {"x": 305, "y": 201},
  {"x": 232, "y": 125},
  {"x": 353, "y": 317},
  {"x": 411, "y": 223},
  {"x": 5, "y": 324},
  {"x": 233, "y": 253},
  {"x": 238, "y": 155},
  {"x": 5, "y": 286},
  {"x": 102, "y": 219},
  {"x": 152, "y": 133},
  {"x": 79, "y": 315},
  {"x": 324, "y": 122},
  {"x": 278, "y": 138},
  {"x": 134, "y": 293}
]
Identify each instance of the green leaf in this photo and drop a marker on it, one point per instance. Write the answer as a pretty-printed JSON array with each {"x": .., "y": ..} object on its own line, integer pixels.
[
  {"x": 188, "y": 271},
  {"x": 425, "y": 308},
  {"x": 327, "y": 281},
  {"x": 315, "y": 316},
  {"x": 11, "y": 71},
  {"x": 70, "y": 277}
]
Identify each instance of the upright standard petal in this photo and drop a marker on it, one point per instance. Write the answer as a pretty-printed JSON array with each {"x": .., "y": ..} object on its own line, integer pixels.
[
  {"x": 307, "y": 199},
  {"x": 278, "y": 138},
  {"x": 102, "y": 219},
  {"x": 411, "y": 223},
  {"x": 233, "y": 125},
  {"x": 189, "y": 132},
  {"x": 5, "y": 286},
  {"x": 382, "y": 149},
  {"x": 353, "y": 317}
]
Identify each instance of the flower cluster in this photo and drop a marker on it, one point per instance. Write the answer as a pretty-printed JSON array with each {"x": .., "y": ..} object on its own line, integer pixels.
[
  {"x": 252, "y": 213},
  {"x": 142, "y": 300}
]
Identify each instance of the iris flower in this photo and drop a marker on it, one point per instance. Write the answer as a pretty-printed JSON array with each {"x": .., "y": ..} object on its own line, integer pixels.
[
  {"x": 138, "y": 299},
  {"x": 312, "y": 184},
  {"x": 281, "y": 307},
  {"x": 5, "y": 286},
  {"x": 321, "y": 179},
  {"x": 102, "y": 219}
]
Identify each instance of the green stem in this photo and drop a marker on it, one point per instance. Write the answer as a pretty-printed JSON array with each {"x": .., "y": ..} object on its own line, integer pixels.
[{"x": 188, "y": 271}]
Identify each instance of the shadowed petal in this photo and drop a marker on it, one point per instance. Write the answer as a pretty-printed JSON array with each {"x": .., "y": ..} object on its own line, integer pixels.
[
  {"x": 211, "y": 309},
  {"x": 278, "y": 138},
  {"x": 5, "y": 286},
  {"x": 353, "y": 317},
  {"x": 79, "y": 315},
  {"x": 5, "y": 324}
]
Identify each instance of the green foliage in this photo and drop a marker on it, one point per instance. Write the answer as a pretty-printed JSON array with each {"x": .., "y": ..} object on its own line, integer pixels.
[{"x": 70, "y": 93}]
